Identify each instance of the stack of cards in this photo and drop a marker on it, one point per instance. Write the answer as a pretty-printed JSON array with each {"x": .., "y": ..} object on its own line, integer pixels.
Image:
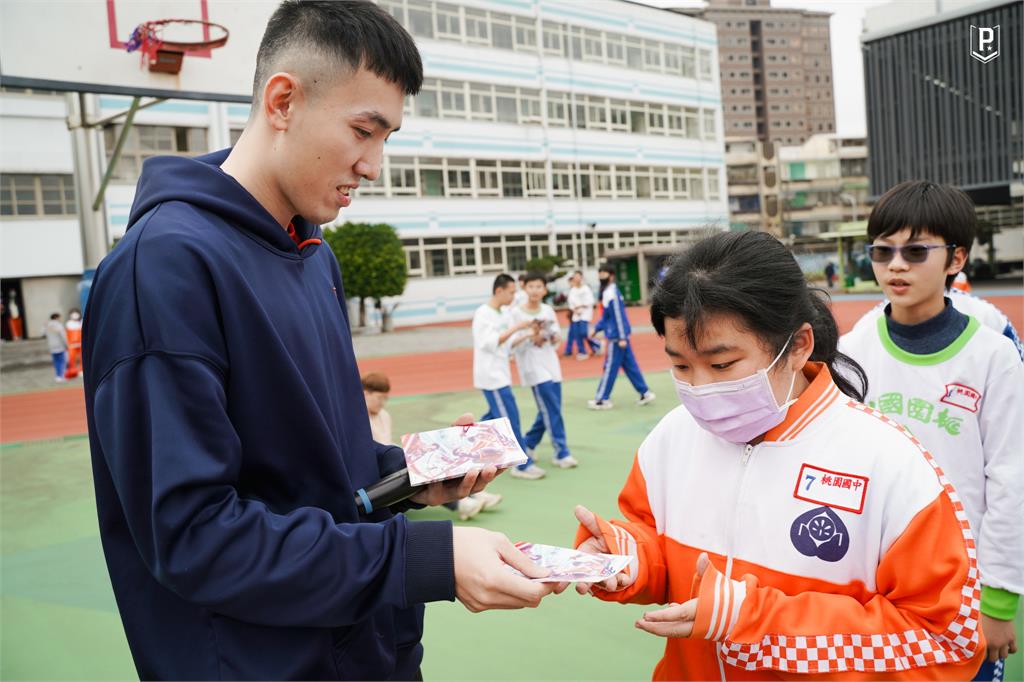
[
  {"x": 454, "y": 452},
  {"x": 571, "y": 566}
]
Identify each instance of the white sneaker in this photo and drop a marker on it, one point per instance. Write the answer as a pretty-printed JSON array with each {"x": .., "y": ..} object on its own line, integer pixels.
[
  {"x": 490, "y": 500},
  {"x": 646, "y": 398},
  {"x": 582, "y": 356},
  {"x": 600, "y": 404},
  {"x": 567, "y": 462},
  {"x": 469, "y": 507},
  {"x": 530, "y": 473},
  {"x": 60, "y": 380}
]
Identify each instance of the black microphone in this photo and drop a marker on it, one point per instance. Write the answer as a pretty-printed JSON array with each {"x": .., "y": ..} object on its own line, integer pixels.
[{"x": 389, "y": 490}]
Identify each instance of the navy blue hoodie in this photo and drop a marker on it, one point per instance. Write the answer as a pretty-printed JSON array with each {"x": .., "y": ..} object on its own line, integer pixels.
[{"x": 228, "y": 432}]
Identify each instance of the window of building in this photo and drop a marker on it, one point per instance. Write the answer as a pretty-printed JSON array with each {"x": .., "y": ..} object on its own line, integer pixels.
[
  {"x": 447, "y": 23},
  {"x": 453, "y": 99},
  {"x": 536, "y": 179},
  {"x": 23, "y": 194},
  {"x": 420, "y": 19},
  {"x": 501, "y": 30},
  {"x": 431, "y": 173},
  {"x": 553, "y": 37},
  {"x": 525, "y": 34},
  {"x": 478, "y": 27},
  {"x": 463, "y": 256},
  {"x": 435, "y": 253},
  {"x": 145, "y": 141}
]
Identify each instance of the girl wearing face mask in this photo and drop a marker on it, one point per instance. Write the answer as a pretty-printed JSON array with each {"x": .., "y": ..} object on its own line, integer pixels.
[{"x": 784, "y": 527}]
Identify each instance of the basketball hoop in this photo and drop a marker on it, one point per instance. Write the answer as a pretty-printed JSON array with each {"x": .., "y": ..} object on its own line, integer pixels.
[{"x": 163, "y": 54}]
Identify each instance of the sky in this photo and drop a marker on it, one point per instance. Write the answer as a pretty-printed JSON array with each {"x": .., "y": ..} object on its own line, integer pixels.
[{"x": 847, "y": 66}]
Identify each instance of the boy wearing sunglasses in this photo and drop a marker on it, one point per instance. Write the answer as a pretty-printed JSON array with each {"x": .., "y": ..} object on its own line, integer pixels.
[{"x": 956, "y": 384}]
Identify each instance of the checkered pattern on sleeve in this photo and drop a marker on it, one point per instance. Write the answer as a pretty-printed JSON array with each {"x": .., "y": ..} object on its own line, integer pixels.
[{"x": 876, "y": 653}]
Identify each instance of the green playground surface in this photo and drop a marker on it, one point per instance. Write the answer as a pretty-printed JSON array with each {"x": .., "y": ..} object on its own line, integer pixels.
[{"x": 58, "y": 618}]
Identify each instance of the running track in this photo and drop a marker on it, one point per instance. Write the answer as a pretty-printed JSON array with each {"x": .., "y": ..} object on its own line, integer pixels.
[{"x": 61, "y": 412}]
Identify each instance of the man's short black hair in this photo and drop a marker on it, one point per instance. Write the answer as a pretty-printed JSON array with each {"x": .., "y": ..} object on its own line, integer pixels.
[
  {"x": 501, "y": 281},
  {"x": 55, "y": 316},
  {"x": 535, "y": 277},
  {"x": 607, "y": 267},
  {"x": 939, "y": 210},
  {"x": 352, "y": 33}
]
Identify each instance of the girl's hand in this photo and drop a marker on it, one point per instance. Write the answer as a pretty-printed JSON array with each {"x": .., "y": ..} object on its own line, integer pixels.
[
  {"x": 676, "y": 620},
  {"x": 595, "y": 544}
]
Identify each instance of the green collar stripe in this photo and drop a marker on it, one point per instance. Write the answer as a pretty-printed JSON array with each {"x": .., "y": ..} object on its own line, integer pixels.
[{"x": 935, "y": 358}]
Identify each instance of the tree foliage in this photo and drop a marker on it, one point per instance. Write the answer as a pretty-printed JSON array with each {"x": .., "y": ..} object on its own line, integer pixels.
[{"x": 371, "y": 259}]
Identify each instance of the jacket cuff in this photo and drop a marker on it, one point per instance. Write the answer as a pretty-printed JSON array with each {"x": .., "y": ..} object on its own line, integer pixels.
[
  {"x": 998, "y": 603},
  {"x": 718, "y": 604},
  {"x": 429, "y": 562}
]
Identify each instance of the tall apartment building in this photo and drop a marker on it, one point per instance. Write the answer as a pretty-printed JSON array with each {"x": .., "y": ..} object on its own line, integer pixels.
[
  {"x": 775, "y": 66},
  {"x": 543, "y": 126}
]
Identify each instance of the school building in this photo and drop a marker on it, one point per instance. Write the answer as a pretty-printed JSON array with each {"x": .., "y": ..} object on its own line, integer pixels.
[{"x": 544, "y": 126}]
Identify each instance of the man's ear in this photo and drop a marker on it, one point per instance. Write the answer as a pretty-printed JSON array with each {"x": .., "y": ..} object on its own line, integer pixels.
[{"x": 280, "y": 95}]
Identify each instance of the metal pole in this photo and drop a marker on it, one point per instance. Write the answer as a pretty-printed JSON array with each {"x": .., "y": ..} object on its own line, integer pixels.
[
  {"x": 92, "y": 226},
  {"x": 116, "y": 155}
]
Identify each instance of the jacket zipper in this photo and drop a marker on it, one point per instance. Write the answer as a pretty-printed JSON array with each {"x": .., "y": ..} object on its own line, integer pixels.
[{"x": 748, "y": 450}]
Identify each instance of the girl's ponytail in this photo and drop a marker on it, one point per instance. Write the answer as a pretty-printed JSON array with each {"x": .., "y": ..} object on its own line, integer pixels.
[{"x": 848, "y": 375}]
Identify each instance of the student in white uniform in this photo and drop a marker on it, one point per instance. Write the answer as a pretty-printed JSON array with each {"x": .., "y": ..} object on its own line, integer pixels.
[
  {"x": 581, "y": 306},
  {"x": 955, "y": 383},
  {"x": 537, "y": 361},
  {"x": 492, "y": 341}
]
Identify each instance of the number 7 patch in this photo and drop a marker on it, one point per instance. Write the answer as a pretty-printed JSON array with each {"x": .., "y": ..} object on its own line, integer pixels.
[{"x": 831, "y": 488}]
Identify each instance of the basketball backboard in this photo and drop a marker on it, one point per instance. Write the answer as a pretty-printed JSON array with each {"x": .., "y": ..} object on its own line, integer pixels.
[{"x": 80, "y": 46}]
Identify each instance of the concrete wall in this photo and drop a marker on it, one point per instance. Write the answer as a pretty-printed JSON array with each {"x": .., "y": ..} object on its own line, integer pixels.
[{"x": 44, "y": 296}]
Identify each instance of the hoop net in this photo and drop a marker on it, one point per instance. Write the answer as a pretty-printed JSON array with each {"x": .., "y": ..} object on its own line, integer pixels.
[{"x": 151, "y": 37}]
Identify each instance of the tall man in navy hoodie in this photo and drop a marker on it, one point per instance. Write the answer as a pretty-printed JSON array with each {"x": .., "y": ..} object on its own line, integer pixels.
[{"x": 226, "y": 417}]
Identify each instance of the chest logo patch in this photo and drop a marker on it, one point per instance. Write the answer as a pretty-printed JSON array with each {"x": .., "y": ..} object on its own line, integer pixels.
[
  {"x": 831, "y": 488},
  {"x": 820, "y": 533},
  {"x": 962, "y": 396}
]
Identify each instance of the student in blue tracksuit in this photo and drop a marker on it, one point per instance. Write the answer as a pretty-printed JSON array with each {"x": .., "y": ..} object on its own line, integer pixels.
[
  {"x": 615, "y": 325},
  {"x": 227, "y": 423}
]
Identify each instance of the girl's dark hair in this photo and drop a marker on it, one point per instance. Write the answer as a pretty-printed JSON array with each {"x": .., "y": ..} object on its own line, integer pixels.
[{"x": 751, "y": 275}]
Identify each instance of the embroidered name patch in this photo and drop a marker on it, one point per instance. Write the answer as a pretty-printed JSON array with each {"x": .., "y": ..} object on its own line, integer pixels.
[
  {"x": 962, "y": 396},
  {"x": 831, "y": 488}
]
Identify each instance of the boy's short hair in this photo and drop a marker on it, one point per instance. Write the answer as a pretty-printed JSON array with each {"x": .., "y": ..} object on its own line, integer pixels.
[
  {"x": 55, "y": 316},
  {"x": 535, "y": 277},
  {"x": 500, "y": 282},
  {"x": 577, "y": 272},
  {"x": 347, "y": 33},
  {"x": 522, "y": 278},
  {"x": 608, "y": 268},
  {"x": 940, "y": 210},
  {"x": 376, "y": 382}
]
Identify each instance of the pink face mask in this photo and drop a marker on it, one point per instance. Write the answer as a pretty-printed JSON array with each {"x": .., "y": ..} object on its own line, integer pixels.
[{"x": 737, "y": 411}]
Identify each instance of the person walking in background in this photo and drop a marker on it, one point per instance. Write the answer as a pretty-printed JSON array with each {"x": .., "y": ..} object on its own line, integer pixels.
[
  {"x": 581, "y": 308},
  {"x": 830, "y": 274},
  {"x": 539, "y": 369},
  {"x": 57, "y": 342},
  {"x": 14, "y": 322},
  {"x": 73, "y": 327},
  {"x": 615, "y": 326}
]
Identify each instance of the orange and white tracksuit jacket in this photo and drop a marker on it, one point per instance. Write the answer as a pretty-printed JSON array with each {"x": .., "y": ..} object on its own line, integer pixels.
[{"x": 837, "y": 547}]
